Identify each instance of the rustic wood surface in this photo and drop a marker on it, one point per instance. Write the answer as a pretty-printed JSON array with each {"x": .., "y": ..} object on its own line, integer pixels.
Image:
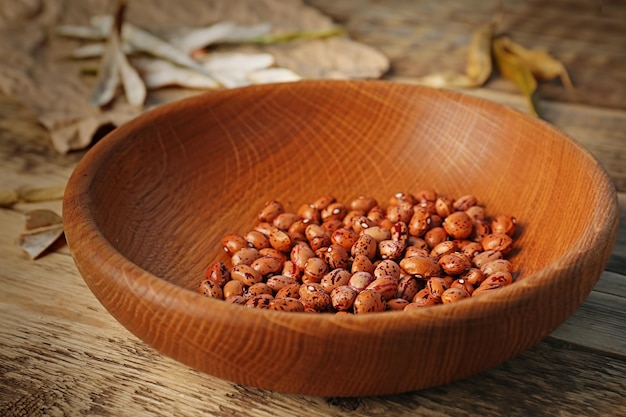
[{"x": 61, "y": 353}]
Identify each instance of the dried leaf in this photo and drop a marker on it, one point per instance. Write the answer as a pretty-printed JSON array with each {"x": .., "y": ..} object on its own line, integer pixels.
[
  {"x": 8, "y": 198},
  {"x": 292, "y": 36},
  {"x": 150, "y": 44},
  {"x": 36, "y": 241},
  {"x": 31, "y": 195},
  {"x": 273, "y": 75},
  {"x": 36, "y": 219},
  {"x": 108, "y": 75},
  {"x": 192, "y": 39},
  {"x": 513, "y": 68},
  {"x": 540, "y": 63},
  {"x": 231, "y": 69},
  {"x": 157, "y": 73},
  {"x": 134, "y": 88},
  {"x": 479, "y": 65}
]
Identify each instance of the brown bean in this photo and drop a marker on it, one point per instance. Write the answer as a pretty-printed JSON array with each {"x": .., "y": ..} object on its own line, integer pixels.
[
  {"x": 259, "y": 301},
  {"x": 284, "y": 221},
  {"x": 362, "y": 263},
  {"x": 498, "y": 241},
  {"x": 245, "y": 256},
  {"x": 476, "y": 213},
  {"x": 273, "y": 253},
  {"x": 232, "y": 243},
  {"x": 385, "y": 285},
  {"x": 301, "y": 252},
  {"x": 350, "y": 216},
  {"x": 454, "y": 294},
  {"x": 258, "y": 289},
  {"x": 454, "y": 263},
  {"x": 390, "y": 249},
  {"x": 323, "y": 202},
  {"x": 313, "y": 296},
  {"x": 344, "y": 237},
  {"x": 400, "y": 213},
  {"x": 233, "y": 288},
  {"x": 471, "y": 249},
  {"x": 256, "y": 240},
  {"x": 376, "y": 215},
  {"x": 363, "y": 203},
  {"x": 360, "y": 223},
  {"x": 436, "y": 287},
  {"x": 379, "y": 233},
  {"x": 365, "y": 245},
  {"x": 481, "y": 229},
  {"x": 484, "y": 289},
  {"x": 210, "y": 289},
  {"x": 474, "y": 276},
  {"x": 396, "y": 304},
  {"x": 443, "y": 248},
  {"x": 387, "y": 267},
  {"x": 218, "y": 273},
  {"x": 246, "y": 274},
  {"x": 416, "y": 242},
  {"x": 486, "y": 256},
  {"x": 435, "y": 236},
  {"x": 497, "y": 265},
  {"x": 236, "y": 299},
  {"x": 342, "y": 298},
  {"x": 289, "y": 291},
  {"x": 504, "y": 224},
  {"x": 309, "y": 212},
  {"x": 336, "y": 256},
  {"x": 464, "y": 202},
  {"x": 270, "y": 210},
  {"x": 426, "y": 194},
  {"x": 291, "y": 270},
  {"x": 502, "y": 278},
  {"x": 331, "y": 225},
  {"x": 264, "y": 227},
  {"x": 422, "y": 267},
  {"x": 420, "y": 222},
  {"x": 266, "y": 265},
  {"x": 462, "y": 283},
  {"x": 444, "y": 206},
  {"x": 458, "y": 225},
  {"x": 335, "y": 278},
  {"x": 415, "y": 251},
  {"x": 400, "y": 233},
  {"x": 420, "y": 303},
  {"x": 360, "y": 280},
  {"x": 280, "y": 240},
  {"x": 278, "y": 282},
  {"x": 369, "y": 301},
  {"x": 407, "y": 287},
  {"x": 314, "y": 270},
  {"x": 334, "y": 211},
  {"x": 286, "y": 304},
  {"x": 317, "y": 236},
  {"x": 421, "y": 294}
]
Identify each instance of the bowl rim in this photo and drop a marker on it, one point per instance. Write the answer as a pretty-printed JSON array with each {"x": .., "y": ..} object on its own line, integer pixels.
[{"x": 78, "y": 214}]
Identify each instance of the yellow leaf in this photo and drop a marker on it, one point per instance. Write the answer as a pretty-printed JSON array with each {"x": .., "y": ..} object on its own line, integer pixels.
[
  {"x": 479, "y": 65},
  {"x": 540, "y": 63},
  {"x": 513, "y": 68}
]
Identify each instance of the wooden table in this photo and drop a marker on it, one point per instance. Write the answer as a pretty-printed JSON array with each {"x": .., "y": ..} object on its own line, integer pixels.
[{"x": 61, "y": 353}]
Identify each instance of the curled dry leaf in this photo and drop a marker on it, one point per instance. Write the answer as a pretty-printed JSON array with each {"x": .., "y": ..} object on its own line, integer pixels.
[
  {"x": 108, "y": 75},
  {"x": 43, "y": 228},
  {"x": 273, "y": 75},
  {"x": 540, "y": 63},
  {"x": 157, "y": 73},
  {"x": 513, "y": 68},
  {"x": 36, "y": 241},
  {"x": 478, "y": 67}
]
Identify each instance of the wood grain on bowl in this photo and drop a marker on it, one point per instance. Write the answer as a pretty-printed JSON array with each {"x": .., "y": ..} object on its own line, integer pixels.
[{"x": 146, "y": 208}]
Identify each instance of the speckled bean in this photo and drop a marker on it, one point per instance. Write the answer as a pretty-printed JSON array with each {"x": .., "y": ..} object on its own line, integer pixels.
[
  {"x": 210, "y": 289},
  {"x": 335, "y": 278},
  {"x": 379, "y": 233},
  {"x": 266, "y": 265},
  {"x": 458, "y": 225},
  {"x": 344, "y": 237},
  {"x": 435, "y": 236},
  {"x": 289, "y": 291},
  {"x": 390, "y": 249},
  {"x": 396, "y": 304},
  {"x": 387, "y": 267},
  {"x": 246, "y": 274},
  {"x": 436, "y": 286},
  {"x": 286, "y": 304},
  {"x": 259, "y": 301},
  {"x": 486, "y": 256},
  {"x": 342, "y": 298},
  {"x": 369, "y": 301},
  {"x": 497, "y": 265},
  {"x": 284, "y": 221},
  {"x": 454, "y": 263},
  {"x": 314, "y": 270},
  {"x": 504, "y": 224},
  {"x": 233, "y": 242},
  {"x": 365, "y": 245},
  {"x": 385, "y": 285},
  {"x": 360, "y": 280},
  {"x": 270, "y": 210},
  {"x": 313, "y": 296},
  {"x": 363, "y": 203},
  {"x": 454, "y": 294},
  {"x": 362, "y": 263},
  {"x": 218, "y": 273},
  {"x": 334, "y": 211},
  {"x": 443, "y": 248},
  {"x": 464, "y": 202},
  {"x": 256, "y": 239},
  {"x": 278, "y": 282},
  {"x": 245, "y": 256},
  {"x": 422, "y": 267},
  {"x": 498, "y": 241},
  {"x": 407, "y": 287},
  {"x": 233, "y": 288}
]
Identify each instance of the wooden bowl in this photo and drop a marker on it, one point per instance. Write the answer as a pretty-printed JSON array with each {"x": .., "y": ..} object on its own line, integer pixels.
[{"x": 146, "y": 208}]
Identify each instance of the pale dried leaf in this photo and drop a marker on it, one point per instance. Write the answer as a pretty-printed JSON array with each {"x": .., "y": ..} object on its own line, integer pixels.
[
  {"x": 273, "y": 75},
  {"x": 479, "y": 63},
  {"x": 446, "y": 79},
  {"x": 188, "y": 40},
  {"x": 31, "y": 195},
  {"x": 36, "y": 219},
  {"x": 232, "y": 69},
  {"x": 157, "y": 73},
  {"x": 8, "y": 198},
  {"x": 242, "y": 33},
  {"x": 108, "y": 75},
  {"x": 35, "y": 242},
  {"x": 540, "y": 63},
  {"x": 134, "y": 88},
  {"x": 150, "y": 44}
]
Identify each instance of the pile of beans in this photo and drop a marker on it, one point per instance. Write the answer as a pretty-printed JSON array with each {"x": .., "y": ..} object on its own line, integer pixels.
[{"x": 421, "y": 250}]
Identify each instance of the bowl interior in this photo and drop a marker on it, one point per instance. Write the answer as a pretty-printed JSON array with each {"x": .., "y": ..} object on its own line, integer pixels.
[{"x": 182, "y": 178}]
